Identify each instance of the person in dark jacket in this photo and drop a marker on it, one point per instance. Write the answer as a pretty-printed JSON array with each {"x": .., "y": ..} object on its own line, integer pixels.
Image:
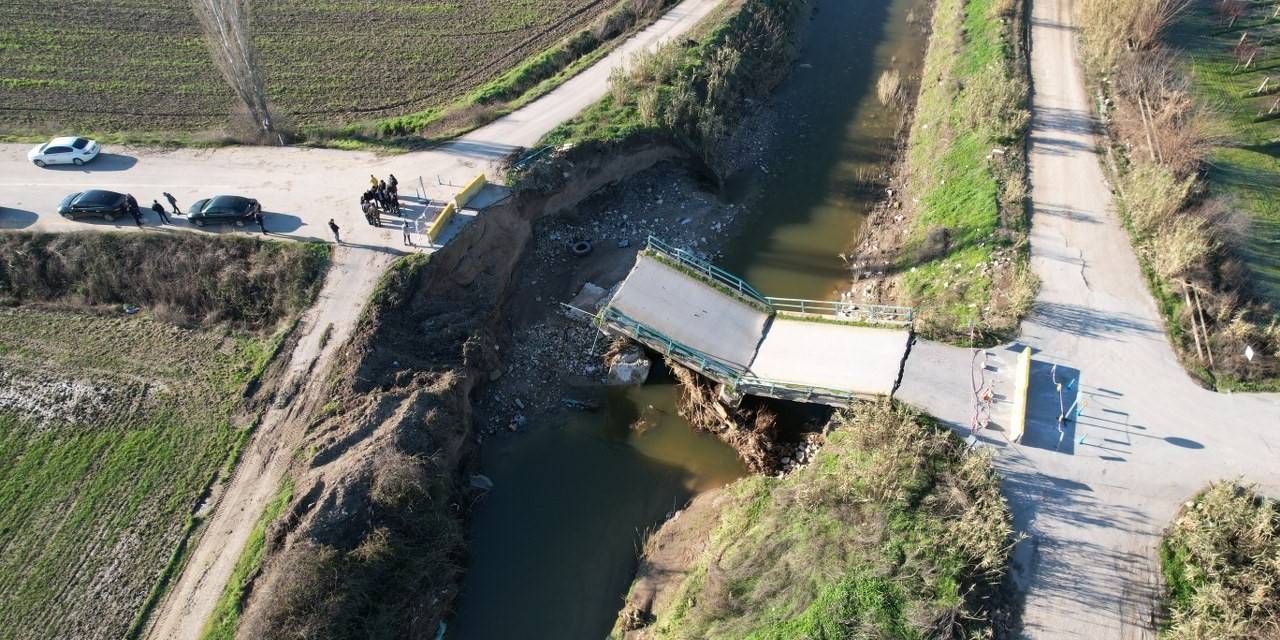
[
  {"x": 159, "y": 209},
  {"x": 333, "y": 226},
  {"x": 173, "y": 202},
  {"x": 257, "y": 217}
]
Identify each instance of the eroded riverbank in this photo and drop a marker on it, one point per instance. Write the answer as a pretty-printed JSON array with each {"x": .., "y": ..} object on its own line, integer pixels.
[{"x": 553, "y": 546}]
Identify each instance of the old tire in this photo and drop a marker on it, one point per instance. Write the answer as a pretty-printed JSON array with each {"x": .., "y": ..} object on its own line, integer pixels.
[{"x": 581, "y": 248}]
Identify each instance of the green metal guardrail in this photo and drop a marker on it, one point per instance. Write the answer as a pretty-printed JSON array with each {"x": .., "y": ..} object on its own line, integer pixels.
[
  {"x": 734, "y": 377},
  {"x": 848, "y": 311},
  {"x": 837, "y": 310},
  {"x": 704, "y": 268},
  {"x": 658, "y": 341}
]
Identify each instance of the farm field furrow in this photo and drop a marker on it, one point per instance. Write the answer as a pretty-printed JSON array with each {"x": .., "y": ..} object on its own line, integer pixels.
[
  {"x": 111, "y": 427},
  {"x": 108, "y": 65}
]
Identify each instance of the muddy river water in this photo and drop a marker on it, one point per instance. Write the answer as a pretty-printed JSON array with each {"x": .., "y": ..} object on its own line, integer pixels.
[{"x": 553, "y": 547}]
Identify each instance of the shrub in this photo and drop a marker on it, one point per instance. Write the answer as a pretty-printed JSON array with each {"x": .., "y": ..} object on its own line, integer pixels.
[
  {"x": 1221, "y": 562},
  {"x": 895, "y": 530},
  {"x": 190, "y": 278},
  {"x": 1152, "y": 195}
]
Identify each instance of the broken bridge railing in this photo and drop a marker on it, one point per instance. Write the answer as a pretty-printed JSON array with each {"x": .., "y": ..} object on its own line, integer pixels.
[
  {"x": 718, "y": 277},
  {"x": 844, "y": 311},
  {"x": 821, "y": 310},
  {"x": 733, "y": 378}
]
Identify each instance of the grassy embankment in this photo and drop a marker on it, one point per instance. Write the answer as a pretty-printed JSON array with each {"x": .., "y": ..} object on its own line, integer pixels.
[
  {"x": 413, "y": 73},
  {"x": 1196, "y": 174},
  {"x": 964, "y": 266},
  {"x": 893, "y": 531},
  {"x": 114, "y": 424},
  {"x": 1221, "y": 562},
  {"x": 692, "y": 91}
]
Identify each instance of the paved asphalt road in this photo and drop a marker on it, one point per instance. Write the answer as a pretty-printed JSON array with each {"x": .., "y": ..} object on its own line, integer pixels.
[{"x": 1094, "y": 506}]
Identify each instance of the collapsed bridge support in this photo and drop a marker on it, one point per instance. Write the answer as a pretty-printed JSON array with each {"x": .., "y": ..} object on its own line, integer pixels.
[{"x": 716, "y": 324}]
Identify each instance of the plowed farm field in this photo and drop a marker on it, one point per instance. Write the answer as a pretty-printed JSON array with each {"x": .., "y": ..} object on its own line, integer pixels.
[
  {"x": 142, "y": 65},
  {"x": 111, "y": 427}
]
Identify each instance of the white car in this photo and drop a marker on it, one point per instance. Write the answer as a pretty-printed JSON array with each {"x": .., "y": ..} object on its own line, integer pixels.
[{"x": 68, "y": 150}]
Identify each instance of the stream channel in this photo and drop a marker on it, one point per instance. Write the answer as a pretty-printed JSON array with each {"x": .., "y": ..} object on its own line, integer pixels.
[{"x": 553, "y": 547}]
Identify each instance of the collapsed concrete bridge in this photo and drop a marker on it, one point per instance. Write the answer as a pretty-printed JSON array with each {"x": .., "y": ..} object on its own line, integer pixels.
[{"x": 713, "y": 322}]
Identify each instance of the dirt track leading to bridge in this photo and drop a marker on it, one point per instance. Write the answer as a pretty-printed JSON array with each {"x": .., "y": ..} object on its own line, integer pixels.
[{"x": 1093, "y": 500}]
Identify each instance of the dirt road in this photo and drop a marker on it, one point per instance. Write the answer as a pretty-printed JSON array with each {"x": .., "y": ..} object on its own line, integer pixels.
[
  {"x": 266, "y": 458},
  {"x": 1094, "y": 498}
]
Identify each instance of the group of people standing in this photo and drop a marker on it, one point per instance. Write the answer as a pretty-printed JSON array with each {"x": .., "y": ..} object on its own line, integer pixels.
[
  {"x": 136, "y": 211},
  {"x": 380, "y": 198}
]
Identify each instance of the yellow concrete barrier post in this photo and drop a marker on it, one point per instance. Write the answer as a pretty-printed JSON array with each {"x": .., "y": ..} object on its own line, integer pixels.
[
  {"x": 442, "y": 220},
  {"x": 468, "y": 192},
  {"x": 1021, "y": 385}
]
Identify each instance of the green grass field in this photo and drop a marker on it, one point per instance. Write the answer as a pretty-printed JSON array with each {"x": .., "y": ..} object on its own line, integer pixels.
[
  {"x": 891, "y": 532},
  {"x": 1245, "y": 165},
  {"x": 111, "y": 428},
  {"x": 962, "y": 266},
  {"x": 108, "y": 66}
]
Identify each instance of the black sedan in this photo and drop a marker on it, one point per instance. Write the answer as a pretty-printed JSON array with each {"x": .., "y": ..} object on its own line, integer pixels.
[
  {"x": 108, "y": 205},
  {"x": 234, "y": 209}
]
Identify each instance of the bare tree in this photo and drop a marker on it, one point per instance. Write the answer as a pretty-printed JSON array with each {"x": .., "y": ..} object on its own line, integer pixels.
[{"x": 226, "y": 28}]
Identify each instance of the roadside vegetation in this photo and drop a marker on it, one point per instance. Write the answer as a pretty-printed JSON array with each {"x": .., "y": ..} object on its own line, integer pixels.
[
  {"x": 114, "y": 423},
  {"x": 1221, "y": 562},
  {"x": 964, "y": 263},
  {"x": 1194, "y": 157},
  {"x": 895, "y": 530},
  {"x": 184, "y": 278},
  {"x": 225, "y": 618},
  {"x": 448, "y": 66},
  {"x": 692, "y": 92}
]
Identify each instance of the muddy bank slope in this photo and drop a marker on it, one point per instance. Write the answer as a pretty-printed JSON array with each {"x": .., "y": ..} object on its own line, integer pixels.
[{"x": 371, "y": 544}]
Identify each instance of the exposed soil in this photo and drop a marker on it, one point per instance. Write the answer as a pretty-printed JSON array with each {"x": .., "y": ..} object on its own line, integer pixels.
[
  {"x": 552, "y": 354},
  {"x": 328, "y": 323},
  {"x": 667, "y": 558},
  {"x": 377, "y": 474}
]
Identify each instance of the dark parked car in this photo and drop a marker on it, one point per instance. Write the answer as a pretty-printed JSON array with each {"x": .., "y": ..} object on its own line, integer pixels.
[
  {"x": 94, "y": 202},
  {"x": 234, "y": 209}
]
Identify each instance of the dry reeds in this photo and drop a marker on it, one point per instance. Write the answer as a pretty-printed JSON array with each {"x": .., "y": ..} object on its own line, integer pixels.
[
  {"x": 888, "y": 86},
  {"x": 1221, "y": 559},
  {"x": 183, "y": 277},
  {"x": 1111, "y": 27}
]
